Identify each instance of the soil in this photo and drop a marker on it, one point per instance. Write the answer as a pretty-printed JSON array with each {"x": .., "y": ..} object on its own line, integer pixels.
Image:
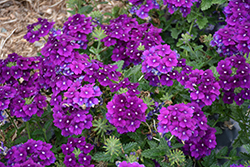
[{"x": 16, "y": 15}]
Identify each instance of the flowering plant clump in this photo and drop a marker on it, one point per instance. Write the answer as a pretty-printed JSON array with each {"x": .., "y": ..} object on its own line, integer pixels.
[
  {"x": 121, "y": 89},
  {"x": 144, "y": 9},
  {"x": 158, "y": 63},
  {"x": 126, "y": 112},
  {"x": 183, "y": 5},
  {"x": 76, "y": 151},
  {"x": 234, "y": 37},
  {"x": 234, "y": 79},
  {"x": 129, "y": 37},
  {"x": 30, "y": 153},
  {"x": 38, "y": 30}
]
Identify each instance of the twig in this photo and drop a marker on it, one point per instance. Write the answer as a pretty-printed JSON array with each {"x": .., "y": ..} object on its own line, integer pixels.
[
  {"x": 1, "y": 47},
  {"x": 11, "y": 21},
  {"x": 55, "y": 4},
  {"x": 4, "y": 1}
]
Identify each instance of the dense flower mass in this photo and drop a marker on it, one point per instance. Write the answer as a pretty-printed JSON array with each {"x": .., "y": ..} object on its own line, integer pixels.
[
  {"x": 183, "y": 5},
  {"x": 203, "y": 87},
  {"x": 188, "y": 123},
  {"x": 78, "y": 26},
  {"x": 20, "y": 89},
  {"x": 38, "y": 30},
  {"x": 127, "y": 35},
  {"x": 76, "y": 151},
  {"x": 31, "y": 153},
  {"x": 234, "y": 37},
  {"x": 143, "y": 10},
  {"x": 126, "y": 112},
  {"x": 158, "y": 64},
  {"x": 234, "y": 79},
  {"x": 128, "y": 164}
]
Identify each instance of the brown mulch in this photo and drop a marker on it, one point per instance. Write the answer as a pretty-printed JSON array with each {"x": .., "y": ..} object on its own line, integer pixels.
[{"x": 16, "y": 15}]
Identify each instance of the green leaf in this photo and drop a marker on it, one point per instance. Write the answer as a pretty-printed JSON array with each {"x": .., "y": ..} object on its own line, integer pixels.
[
  {"x": 129, "y": 147},
  {"x": 48, "y": 123},
  {"x": 119, "y": 64},
  {"x": 101, "y": 156},
  {"x": 175, "y": 33},
  {"x": 218, "y": 130},
  {"x": 152, "y": 143},
  {"x": 151, "y": 153},
  {"x": 37, "y": 132},
  {"x": 21, "y": 139},
  {"x": 223, "y": 151},
  {"x": 208, "y": 161},
  {"x": 247, "y": 147},
  {"x": 216, "y": 74},
  {"x": 202, "y": 21},
  {"x": 132, "y": 71},
  {"x": 85, "y": 9},
  {"x": 219, "y": 1},
  {"x": 206, "y": 4}
]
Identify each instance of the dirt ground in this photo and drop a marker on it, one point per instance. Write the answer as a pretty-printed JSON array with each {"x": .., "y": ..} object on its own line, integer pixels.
[{"x": 15, "y": 15}]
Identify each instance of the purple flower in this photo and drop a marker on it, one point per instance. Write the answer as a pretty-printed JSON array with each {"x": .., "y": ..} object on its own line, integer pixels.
[
  {"x": 38, "y": 30},
  {"x": 130, "y": 120}
]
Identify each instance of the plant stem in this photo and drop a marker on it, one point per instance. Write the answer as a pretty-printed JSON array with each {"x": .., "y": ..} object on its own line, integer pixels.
[
  {"x": 199, "y": 163},
  {"x": 28, "y": 129},
  {"x": 11, "y": 120},
  {"x": 191, "y": 26},
  {"x": 44, "y": 131},
  {"x": 191, "y": 49}
]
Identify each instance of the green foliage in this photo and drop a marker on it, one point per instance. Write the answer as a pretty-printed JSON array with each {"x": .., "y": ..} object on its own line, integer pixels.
[{"x": 112, "y": 146}]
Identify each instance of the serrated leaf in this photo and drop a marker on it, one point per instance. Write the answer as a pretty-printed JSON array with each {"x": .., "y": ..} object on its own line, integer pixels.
[
  {"x": 152, "y": 144},
  {"x": 208, "y": 161},
  {"x": 151, "y": 153},
  {"x": 85, "y": 9},
  {"x": 233, "y": 152},
  {"x": 175, "y": 33},
  {"x": 223, "y": 151},
  {"x": 132, "y": 71},
  {"x": 215, "y": 72},
  {"x": 202, "y": 21},
  {"x": 37, "y": 132},
  {"x": 119, "y": 64},
  {"x": 206, "y": 4},
  {"x": 48, "y": 123},
  {"x": 218, "y": 130},
  {"x": 20, "y": 140},
  {"x": 219, "y": 1},
  {"x": 129, "y": 147},
  {"x": 101, "y": 156},
  {"x": 247, "y": 147},
  {"x": 177, "y": 145}
]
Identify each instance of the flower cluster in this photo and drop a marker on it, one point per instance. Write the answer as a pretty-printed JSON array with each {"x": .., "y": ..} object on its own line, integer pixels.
[
  {"x": 104, "y": 74},
  {"x": 79, "y": 26},
  {"x": 76, "y": 151},
  {"x": 38, "y": 30},
  {"x": 158, "y": 64},
  {"x": 203, "y": 87},
  {"x": 234, "y": 79},
  {"x": 20, "y": 90},
  {"x": 127, "y": 35},
  {"x": 72, "y": 120},
  {"x": 31, "y": 153},
  {"x": 126, "y": 112},
  {"x": 234, "y": 37},
  {"x": 183, "y": 5},
  {"x": 144, "y": 9},
  {"x": 128, "y": 164},
  {"x": 188, "y": 123}
]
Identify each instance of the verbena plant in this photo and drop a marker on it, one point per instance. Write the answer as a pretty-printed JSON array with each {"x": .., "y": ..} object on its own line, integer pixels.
[{"x": 146, "y": 85}]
